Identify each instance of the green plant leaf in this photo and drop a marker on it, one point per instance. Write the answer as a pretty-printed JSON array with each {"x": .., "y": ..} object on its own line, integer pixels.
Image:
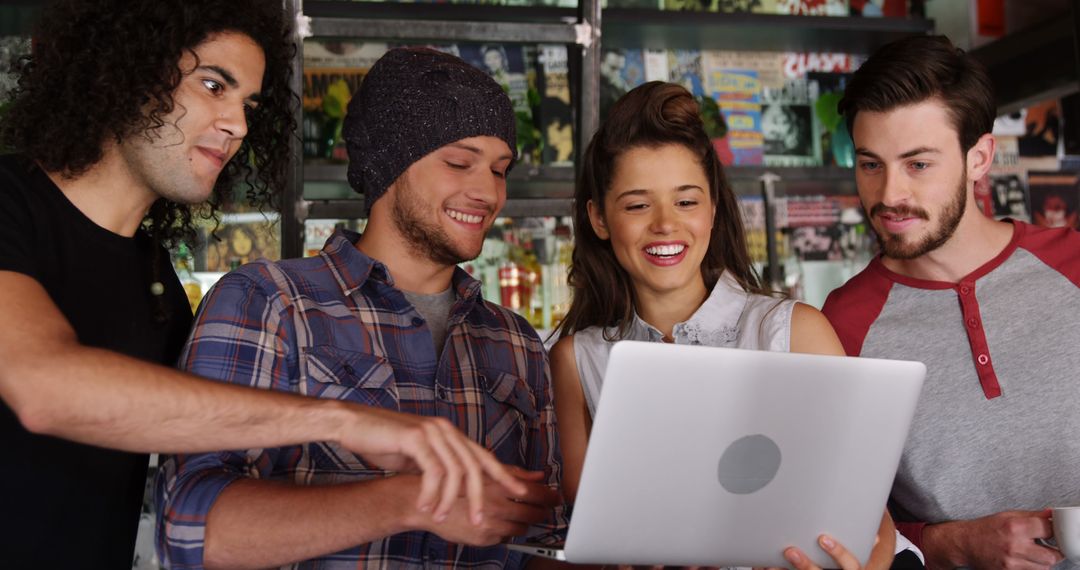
[
  {"x": 336, "y": 99},
  {"x": 826, "y": 109}
]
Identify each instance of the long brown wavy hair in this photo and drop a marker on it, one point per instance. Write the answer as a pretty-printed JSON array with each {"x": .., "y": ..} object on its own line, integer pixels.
[{"x": 650, "y": 116}]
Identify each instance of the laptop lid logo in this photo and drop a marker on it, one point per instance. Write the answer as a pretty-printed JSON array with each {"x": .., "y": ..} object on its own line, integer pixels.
[{"x": 749, "y": 464}]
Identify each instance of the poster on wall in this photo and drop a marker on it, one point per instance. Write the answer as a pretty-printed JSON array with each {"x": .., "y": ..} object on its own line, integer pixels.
[
  {"x": 1055, "y": 199},
  {"x": 788, "y": 126},
  {"x": 1042, "y": 128}
]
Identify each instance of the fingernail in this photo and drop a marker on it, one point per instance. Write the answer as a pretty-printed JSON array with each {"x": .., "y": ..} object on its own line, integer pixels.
[
  {"x": 440, "y": 517},
  {"x": 827, "y": 542},
  {"x": 793, "y": 555},
  {"x": 425, "y": 508},
  {"x": 478, "y": 518}
]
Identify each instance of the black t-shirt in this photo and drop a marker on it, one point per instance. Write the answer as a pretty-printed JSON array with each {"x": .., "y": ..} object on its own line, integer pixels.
[{"x": 63, "y": 504}]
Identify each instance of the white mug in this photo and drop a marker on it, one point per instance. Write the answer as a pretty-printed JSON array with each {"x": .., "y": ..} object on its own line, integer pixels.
[{"x": 1067, "y": 532}]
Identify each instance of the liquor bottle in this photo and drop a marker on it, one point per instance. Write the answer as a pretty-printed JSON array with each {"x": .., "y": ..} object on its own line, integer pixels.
[
  {"x": 510, "y": 285},
  {"x": 183, "y": 265},
  {"x": 532, "y": 299}
]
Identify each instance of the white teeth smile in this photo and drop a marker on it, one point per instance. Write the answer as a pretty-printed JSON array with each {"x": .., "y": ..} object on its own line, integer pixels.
[
  {"x": 665, "y": 250},
  {"x": 463, "y": 217}
]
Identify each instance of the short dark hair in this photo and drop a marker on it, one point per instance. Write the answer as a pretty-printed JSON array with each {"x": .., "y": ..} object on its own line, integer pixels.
[
  {"x": 918, "y": 68},
  {"x": 102, "y": 69}
]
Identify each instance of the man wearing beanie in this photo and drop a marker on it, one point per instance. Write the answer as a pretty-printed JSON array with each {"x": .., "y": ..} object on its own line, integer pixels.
[{"x": 385, "y": 319}]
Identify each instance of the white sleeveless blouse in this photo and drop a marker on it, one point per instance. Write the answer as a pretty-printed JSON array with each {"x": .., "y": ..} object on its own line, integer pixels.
[{"x": 730, "y": 317}]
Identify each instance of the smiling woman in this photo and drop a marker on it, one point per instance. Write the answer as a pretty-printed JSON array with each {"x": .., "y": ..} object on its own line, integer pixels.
[{"x": 660, "y": 256}]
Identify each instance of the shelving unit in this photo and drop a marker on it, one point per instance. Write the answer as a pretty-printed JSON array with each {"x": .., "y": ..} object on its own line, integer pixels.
[
  {"x": 1036, "y": 64},
  {"x": 542, "y": 191}
]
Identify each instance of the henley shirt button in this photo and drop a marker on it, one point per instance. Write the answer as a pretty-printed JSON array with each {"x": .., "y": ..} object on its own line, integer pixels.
[
  {"x": 964, "y": 290},
  {"x": 417, "y": 321},
  {"x": 983, "y": 359},
  {"x": 349, "y": 369},
  {"x": 973, "y": 322}
]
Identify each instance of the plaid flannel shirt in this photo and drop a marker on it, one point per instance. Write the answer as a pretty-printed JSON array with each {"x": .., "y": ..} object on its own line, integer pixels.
[{"x": 334, "y": 326}]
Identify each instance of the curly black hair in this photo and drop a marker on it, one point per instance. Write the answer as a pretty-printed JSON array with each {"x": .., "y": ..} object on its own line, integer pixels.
[{"x": 108, "y": 68}]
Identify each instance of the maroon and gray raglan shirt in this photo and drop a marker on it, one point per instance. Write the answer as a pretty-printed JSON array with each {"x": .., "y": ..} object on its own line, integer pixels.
[{"x": 998, "y": 424}]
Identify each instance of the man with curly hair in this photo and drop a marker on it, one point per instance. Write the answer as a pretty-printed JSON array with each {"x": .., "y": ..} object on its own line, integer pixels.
[{"x": 128, "y": 116}]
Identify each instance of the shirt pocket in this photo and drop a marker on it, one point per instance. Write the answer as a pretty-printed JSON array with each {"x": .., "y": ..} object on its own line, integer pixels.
[
  {"x": 334, "y": 373},
  {"x": 509, "y": 409}
]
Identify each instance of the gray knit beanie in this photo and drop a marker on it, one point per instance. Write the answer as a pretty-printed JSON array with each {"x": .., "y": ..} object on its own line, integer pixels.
[{"x": 413, "y": 102}]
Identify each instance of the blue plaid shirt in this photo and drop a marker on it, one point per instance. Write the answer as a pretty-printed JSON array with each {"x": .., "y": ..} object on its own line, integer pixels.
[{"x": 334, "y": 326}]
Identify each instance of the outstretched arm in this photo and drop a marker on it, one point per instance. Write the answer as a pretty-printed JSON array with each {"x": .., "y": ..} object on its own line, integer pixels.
[
  {"x": 58, "y": 387},
  {"x": 260, "y": 524}
]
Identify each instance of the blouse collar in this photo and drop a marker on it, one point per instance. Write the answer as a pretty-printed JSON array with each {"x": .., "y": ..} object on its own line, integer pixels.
[{"x": 715, "y": 323}]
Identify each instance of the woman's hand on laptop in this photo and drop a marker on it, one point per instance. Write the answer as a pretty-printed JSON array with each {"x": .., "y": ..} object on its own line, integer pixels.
[
  {"x": 844, "y": 559},
  {"x": 881, "y": 556}
]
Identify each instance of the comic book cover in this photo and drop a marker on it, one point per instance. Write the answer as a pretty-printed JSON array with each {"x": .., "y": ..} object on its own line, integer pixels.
[
  {"x": 752, "y": 210},
  {"x": 812, "y": 7},
  {"x": 788, "y": 127},
  {"x": 798, "y": 64},
  {"x": 240, "y": 239},
  {"x": 748, "y": 6},
  {"x": 657, "y": 66},
  {"x": 684, "y": 68},
  {"x": 734, "y": 81},
  {"x": 1055, "y": 199},
  {"x": 555, "y": 114},
  {"x": 691, "y": 5},
  {"x": 1002, "y": 193},
  {"x": 816, "y": 228},
  {"x": 1042, "y": 129},
  {"x": 817, "y": 243},
  {"x": 333, "y": 71},
  {"x": 508, "y": 65},
  {"x": 881, "y": 8},
  {"x": 834, "y": 140},
  {"x": 737, "y": 93},
  {"x": 1008, "y": 197},
  {"x": 620, "y": 71},
  {"x": 769, "y": 65}
]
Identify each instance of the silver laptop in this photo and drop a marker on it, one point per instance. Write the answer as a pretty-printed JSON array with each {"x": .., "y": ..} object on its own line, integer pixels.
[{"x": 725, "y": 457}]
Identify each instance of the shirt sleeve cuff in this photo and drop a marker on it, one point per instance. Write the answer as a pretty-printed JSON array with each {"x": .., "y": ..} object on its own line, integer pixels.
[
  {"x": 903, "y": 544},
  {"x": 912, "y": 532},
  {"x": 181, "y": 519}
]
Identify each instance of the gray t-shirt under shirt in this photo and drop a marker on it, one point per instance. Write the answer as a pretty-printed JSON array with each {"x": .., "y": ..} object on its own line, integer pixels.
[{"x": 435, "y": 309}]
